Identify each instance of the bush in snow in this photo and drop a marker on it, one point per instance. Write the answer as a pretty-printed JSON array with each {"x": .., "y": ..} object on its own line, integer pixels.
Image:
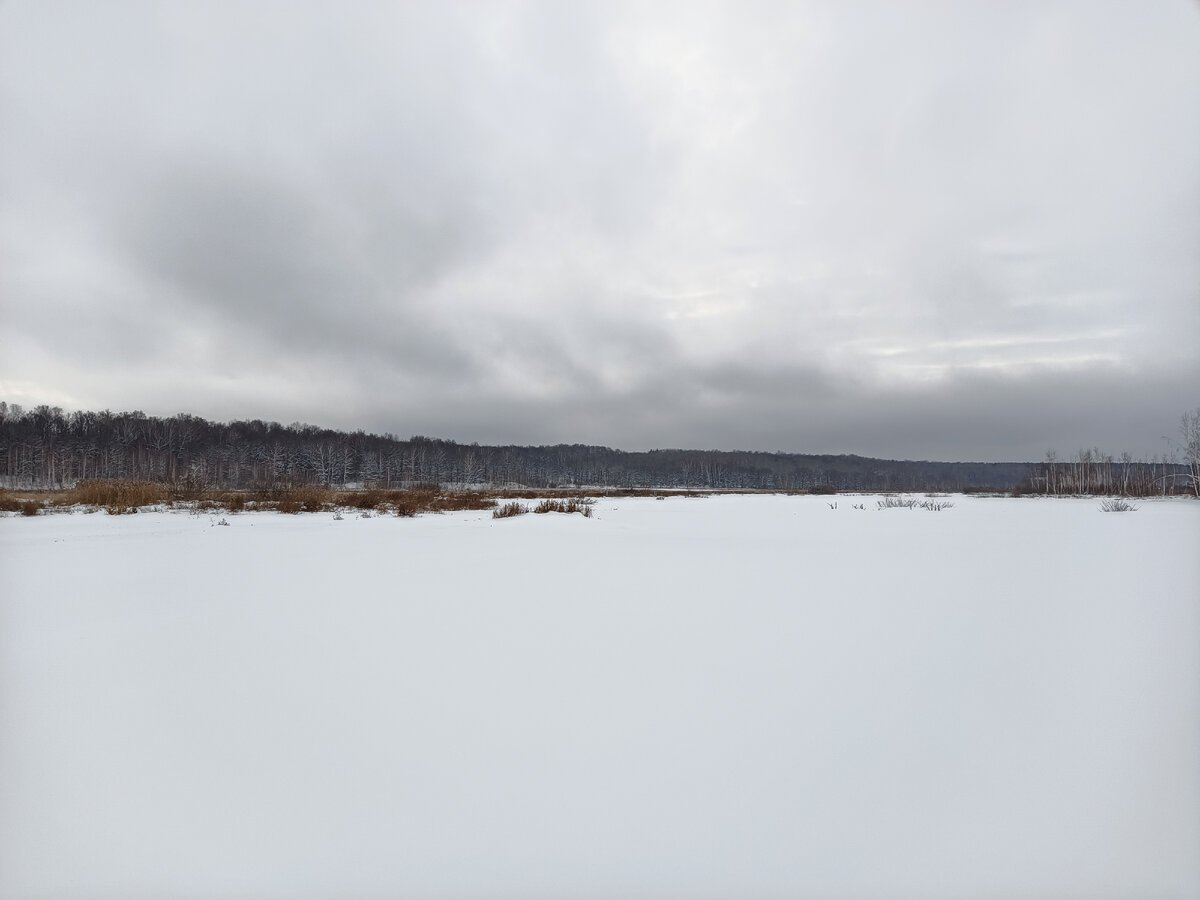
[
  {"x": 1117, "y": 505},
  {"x": 891, "y": 502},
  {"x": 935, "y": 505},
  {"x": 574, "y": 505},
  {"x": 508, "y": 510}
]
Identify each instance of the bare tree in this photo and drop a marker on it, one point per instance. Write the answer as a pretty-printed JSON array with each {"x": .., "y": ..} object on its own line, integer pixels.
[{"x": 1189, "y": 430}]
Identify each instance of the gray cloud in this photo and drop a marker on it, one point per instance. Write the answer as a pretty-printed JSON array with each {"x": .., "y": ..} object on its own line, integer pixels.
[
  {"x": 938, "y": 231},
  {"x": 258, "y": 259}
]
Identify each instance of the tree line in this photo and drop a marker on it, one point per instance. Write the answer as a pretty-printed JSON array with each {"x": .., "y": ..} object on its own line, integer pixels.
[
  {"x": 45, "y": 448},
  {"x": 1094, "y": 472}
]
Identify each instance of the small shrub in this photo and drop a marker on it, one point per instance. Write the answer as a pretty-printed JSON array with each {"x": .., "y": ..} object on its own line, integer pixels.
[
  {"x": 508, "y": 510},
  {"x": 30, "y": 508},
  {"x": 1117, "y": 504},
  {"x": 407, "y": 508},
  {"x": 417, "y": 499},
  {"x": 893, "y": 502},
  {"x": 579, "y": 505}
]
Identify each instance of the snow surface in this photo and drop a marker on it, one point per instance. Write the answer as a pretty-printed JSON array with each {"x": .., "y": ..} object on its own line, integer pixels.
[{"x": 751, "y": 697}]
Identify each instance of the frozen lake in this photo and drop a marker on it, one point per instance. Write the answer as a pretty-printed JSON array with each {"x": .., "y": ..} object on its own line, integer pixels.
[{"x": 752, "y": 697}]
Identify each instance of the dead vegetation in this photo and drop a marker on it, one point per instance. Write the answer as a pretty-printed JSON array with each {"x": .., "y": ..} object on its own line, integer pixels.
[
  {"x": 308, "y": 498},
  {"x": 123, "y": 497},
  {"x": 934, "y": 505},
  {"x": 581, "y": 505},
  {"x": 510, "y": 509},
  {"x": 120, "y": 497},
  {"x": 115, "y": 496}
]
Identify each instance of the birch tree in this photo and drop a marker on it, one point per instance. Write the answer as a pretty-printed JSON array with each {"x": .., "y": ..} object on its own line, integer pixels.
[{"x": 1189, "y": 431}]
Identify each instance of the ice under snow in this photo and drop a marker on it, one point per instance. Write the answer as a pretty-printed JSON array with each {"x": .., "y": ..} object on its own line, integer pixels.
[{"x": 723, "y": 697}]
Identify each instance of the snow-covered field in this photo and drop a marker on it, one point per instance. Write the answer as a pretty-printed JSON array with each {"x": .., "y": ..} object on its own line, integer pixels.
[{"x": 730, "y": 697}]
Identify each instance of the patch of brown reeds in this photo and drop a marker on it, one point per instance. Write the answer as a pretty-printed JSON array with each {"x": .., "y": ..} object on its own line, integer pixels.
[
  {"x": 456, "y": 500},
  {"x": 116, "y": 495},
  {"x": 422, "y": 499},
  {"x": 306, "y": 498},
  {"x": 120, "y": 496},
  {"x": 509, "y": 510},
  {"x": 371, "y": 499}
]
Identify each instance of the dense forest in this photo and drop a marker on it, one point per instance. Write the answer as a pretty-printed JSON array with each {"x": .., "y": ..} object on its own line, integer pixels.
[{"x": 47, "y": 448}]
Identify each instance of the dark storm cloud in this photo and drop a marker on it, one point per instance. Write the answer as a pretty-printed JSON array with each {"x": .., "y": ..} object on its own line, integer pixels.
[{"x": 961, "y": 230}]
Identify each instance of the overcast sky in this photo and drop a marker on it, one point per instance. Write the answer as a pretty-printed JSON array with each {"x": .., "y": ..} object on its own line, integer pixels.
[{"x": 931, "y": 230}]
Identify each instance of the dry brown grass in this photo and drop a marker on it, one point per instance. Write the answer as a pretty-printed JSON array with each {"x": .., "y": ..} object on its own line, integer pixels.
[
  {"x": 189, "y": 488},
  {"x": 370, "y": 499},
  {"x": 407, "y": 508},
  {"x": 415, "y": 500},
  {"x": 121, "y": 496},
  {"x": 307, "y": 498},
  {"x": 574, "y": 492},
  {"x": 115, "y": 495},
  {"x": 422, "y": 499},
  {"x": 510, "y": 509},
  {"x": 456, "y": 500},
  {"x": 19, "y": 501},
  {"x": 572, "y": 505}
]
